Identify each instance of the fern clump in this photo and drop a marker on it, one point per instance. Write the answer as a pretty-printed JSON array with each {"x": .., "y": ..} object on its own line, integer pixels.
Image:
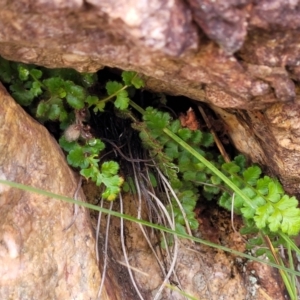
[
  {"x": 270, "y": 208},
  {"x": 62, "y": 95},
  {"x": 261, "y": 201},
  {"x": 185, "y": 173}
]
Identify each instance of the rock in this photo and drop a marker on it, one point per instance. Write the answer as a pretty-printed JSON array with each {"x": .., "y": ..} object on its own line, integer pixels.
[
  {"x": 39, "y": 259},
  {"x": 270, "y": 138},
  {"x": 162, "y": 41}
]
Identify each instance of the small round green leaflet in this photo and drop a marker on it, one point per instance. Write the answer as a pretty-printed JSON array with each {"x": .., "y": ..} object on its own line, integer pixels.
[{"x": 209, "y": 165}]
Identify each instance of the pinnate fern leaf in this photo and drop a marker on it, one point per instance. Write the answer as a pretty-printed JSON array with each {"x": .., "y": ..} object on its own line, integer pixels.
[
  {"x": 231, "y": 167},
  {"x": 252, "y": 174}
]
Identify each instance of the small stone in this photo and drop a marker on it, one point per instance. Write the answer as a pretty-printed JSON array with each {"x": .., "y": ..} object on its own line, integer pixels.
[{"x": 72, "y": 133}]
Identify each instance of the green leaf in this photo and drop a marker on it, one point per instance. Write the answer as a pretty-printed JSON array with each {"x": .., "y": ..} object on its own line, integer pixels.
[
  {"x": 99, "y": 106},
  {"x": 252, "y": 174},
  {"x": 112, "y": 181},
  {"x": 175, "y": 126},
  {"x": 126, "y": 187},
  {"x": 42, "y": 109},
  {"x": 76, "y": 96},
  {"x": 37, "y": 74},
  {"x": 225, "y": 200},
  {"x": 275, "y": 220},
  {"x": 167, "y": 242},
  {"x": 256, "y": 241},
  {"x": 110, "y": 168},
  {"x": 67, "y": 146},
  {"x": 122, "y": 100},
  {"x": 200, "y": 167},
  {"x": 113, "y": 87},
  {"x": 275, "y": 191},
  {"x": 63, "y": 116},
  {"x": 54, "y": 112},
  {"x": 19, "y": 92},
  {"x": 286, "y": 202},
  {"x": 207, "y": 139},
  {"x": 249, "y": 227},
  {"x": 184, "y": 161},
  {"x": 68, "y": 121},
  {"x": 240, "y": 160},
  {"x": 96, "y": 145},
  {"x": 196, "y": 137},
  {"x": 215, "y": 180},
  {"x": 176, "y": 184},
  {"x": 211, "y": 189},
  {"x": 23, "y": 72},
  {"x": 92, "y": 160},
  {"x": 237, "y": 182},
  {"x": 248, "y": 212},
  {"x": 137, "y": 82},
  {"x": 263, "y": 251},
  {"x": 64, "y": 74},
  {"x": 250, "y": 193},
  {"x": 171, "y": 149},
  {"x": 131, "y": 78},
  {"x": 112, "y": 185},
  {"x": 189, "y": 176},
  {"x": 238, "y": 201},
  {"x": 258, "y": 201},
  {"x": 90, "y": 172},
  {"x": 207, "y": 196},
  {"x": 291, "y": 221},
  {"x": 201, "y": 177},
  {"x": 88, "y": 79},
  {"x": 76, "y": 158},
  {"x": 188, "y": 196},
  {"x": 56, "y": 86},
  {"x": 221, "y": 160},
  {"x": 111, "y": 193},
  {"x": 231, "y": 167},
  {"x": 91, "y": 100},
  {"x": 185, "y": 133},
  {"x": 156, "y": 120},
  {"x": 162, "y": 138},
  {"x": 127, "y": 77},
  {"x": 36, "y": 89},
  {"x": 194, "y": 224},
  {"x": 262, "y": 185},
  {"x": 180, "y": 228},
  {"x": 262, "y": 215}
]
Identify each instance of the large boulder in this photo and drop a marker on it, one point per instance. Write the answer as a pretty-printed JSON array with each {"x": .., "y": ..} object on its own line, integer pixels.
[{"x": 40, "y": 257}]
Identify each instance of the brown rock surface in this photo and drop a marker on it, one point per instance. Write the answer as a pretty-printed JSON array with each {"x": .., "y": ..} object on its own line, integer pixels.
[
  {"x": 161, "y": 40},
  {"x": 38, "y": 258},
  {"x": 270, "y": 137}
]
